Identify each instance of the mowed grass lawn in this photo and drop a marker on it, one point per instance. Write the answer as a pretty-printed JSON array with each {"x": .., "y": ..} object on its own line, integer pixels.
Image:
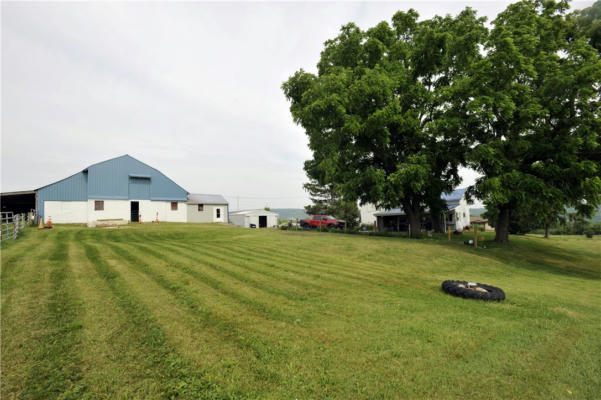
[{"x": 209, "y": 311}]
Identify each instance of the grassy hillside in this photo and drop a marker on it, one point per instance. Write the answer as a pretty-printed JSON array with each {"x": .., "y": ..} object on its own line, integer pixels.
[{"x": 193, "y": 311}]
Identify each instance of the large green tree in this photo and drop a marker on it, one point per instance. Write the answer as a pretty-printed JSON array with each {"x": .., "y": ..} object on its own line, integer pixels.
[
  {"x": 534, "y": 117},
  {"x": 378, "y": 112}
]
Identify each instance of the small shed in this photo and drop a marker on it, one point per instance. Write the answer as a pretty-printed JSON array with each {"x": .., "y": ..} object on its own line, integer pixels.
[
  {"x": 207, "y": 208},
  {"x": 254, "y": 219}
]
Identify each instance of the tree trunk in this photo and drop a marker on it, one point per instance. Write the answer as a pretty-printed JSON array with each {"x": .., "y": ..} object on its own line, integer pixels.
[
  {"x": 436, "y": 217},
  {"x": 414, "y": 220},
  {"x": 547, "y": 229},
  {"x": 502, "y": 226}
]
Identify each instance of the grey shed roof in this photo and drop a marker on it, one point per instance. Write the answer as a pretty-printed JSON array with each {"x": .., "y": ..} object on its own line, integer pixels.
[{"x": 206, "y": 199}]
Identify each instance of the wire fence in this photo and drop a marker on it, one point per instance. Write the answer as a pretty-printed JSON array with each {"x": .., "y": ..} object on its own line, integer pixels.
[{"x": 12, "y": 224}]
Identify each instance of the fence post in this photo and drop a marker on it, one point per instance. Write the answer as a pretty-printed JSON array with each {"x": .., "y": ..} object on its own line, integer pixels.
[
  {"x": 476, "y": 236},
  {"x": 449, "y": 233}
]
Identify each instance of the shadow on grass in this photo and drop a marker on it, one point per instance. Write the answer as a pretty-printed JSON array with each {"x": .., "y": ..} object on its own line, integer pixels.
[{"x": 536, "y": 254}]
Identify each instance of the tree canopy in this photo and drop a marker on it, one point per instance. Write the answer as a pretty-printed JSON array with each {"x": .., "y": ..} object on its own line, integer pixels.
[
  {"x": 395, "y": 110},
  {"x": 534, "y": 119},
  {"x": 375, "y": 112}
]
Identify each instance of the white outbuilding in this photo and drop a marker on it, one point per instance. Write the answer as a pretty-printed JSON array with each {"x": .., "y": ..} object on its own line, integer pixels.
[
  {"x": 206, "y": 208},
  {"x": 255, "y": 219}
]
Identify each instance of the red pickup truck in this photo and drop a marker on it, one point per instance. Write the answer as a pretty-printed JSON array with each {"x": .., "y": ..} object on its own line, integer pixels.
[{"x": 321, "y": 220}]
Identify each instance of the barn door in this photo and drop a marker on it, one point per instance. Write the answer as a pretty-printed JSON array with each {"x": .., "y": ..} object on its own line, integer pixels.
[
  {"x": 135, "y": 211},
  {"x": 262, "y": 221}
]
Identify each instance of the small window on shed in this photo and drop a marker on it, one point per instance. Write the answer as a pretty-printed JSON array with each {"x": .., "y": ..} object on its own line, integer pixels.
[
  {"x": 98, "y": 205},
  {"x": 201, "y": 207},
  {"x": 218, "y": 211},
  {"x": 174, "y": 206}
]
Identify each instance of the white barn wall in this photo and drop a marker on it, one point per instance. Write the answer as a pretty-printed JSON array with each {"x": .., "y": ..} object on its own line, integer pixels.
[
  {"x": 66, "y": 212},
  {"x": 113, "y": 209},
  {"x": 149, "y": 209}
]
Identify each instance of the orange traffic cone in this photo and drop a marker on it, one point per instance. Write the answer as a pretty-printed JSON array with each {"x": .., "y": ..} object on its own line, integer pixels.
[
  {"x": 157, "y": 219},
  {"x": 41, "y": 224},
  {"x": 49, "y": 223},
  {"x": 140, "y": 219}
]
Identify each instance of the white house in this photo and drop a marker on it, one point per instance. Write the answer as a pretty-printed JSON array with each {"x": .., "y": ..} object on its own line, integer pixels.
[
  {"x": 456, "y": 217},
  {"x": 254, "y": 219}
]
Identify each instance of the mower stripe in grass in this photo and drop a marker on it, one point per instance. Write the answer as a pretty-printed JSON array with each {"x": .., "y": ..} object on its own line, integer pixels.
[
  {"x": 216, "y": 284},
  {"x": 21, "y": 305},
  {"x": 252, "y": 264},
  {"x": 174, "y": 374},
  {"x": 278, "y": 271},
  {"x": 56, "y": 372},
  {"x": 208, "y": 319},
  {"x": 303, "y": 268},
  {"x": 315, "y": 258},
  {"x": 363, "y": 267},
  {"x": 11, "y": 262},
  {"x": 209, "y": 259}
]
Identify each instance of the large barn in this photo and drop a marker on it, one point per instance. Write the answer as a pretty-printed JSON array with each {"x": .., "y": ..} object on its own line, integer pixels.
[{"x": 126, "y": 189}]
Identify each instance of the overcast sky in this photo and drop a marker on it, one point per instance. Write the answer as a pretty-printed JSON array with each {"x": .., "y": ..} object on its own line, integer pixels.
[{"x": 192, "y": 89}]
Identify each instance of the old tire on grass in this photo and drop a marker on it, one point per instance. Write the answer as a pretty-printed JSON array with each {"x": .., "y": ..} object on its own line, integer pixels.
[{"x": 473, "y": 290}]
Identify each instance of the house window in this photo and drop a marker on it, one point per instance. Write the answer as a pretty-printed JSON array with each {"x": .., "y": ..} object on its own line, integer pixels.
[
  {"x": 201, "y": 207},
  {"x": 174, "y": 206},
  {"x": 218, "y": 212},
  {"x": 98, "y": 205},
  {"x": 450, "y": 217}
]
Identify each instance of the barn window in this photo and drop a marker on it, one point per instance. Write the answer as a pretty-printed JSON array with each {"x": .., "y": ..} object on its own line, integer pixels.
[
  {"x": 174, "y": 206},
  {"x": 98, "y": 205},
  {"x": 201, "y": 207},
  {"x": 218, "y": 212}
]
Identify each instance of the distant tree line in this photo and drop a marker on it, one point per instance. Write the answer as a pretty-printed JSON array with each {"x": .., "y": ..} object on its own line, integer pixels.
[{"x": 394, "y": 111}]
